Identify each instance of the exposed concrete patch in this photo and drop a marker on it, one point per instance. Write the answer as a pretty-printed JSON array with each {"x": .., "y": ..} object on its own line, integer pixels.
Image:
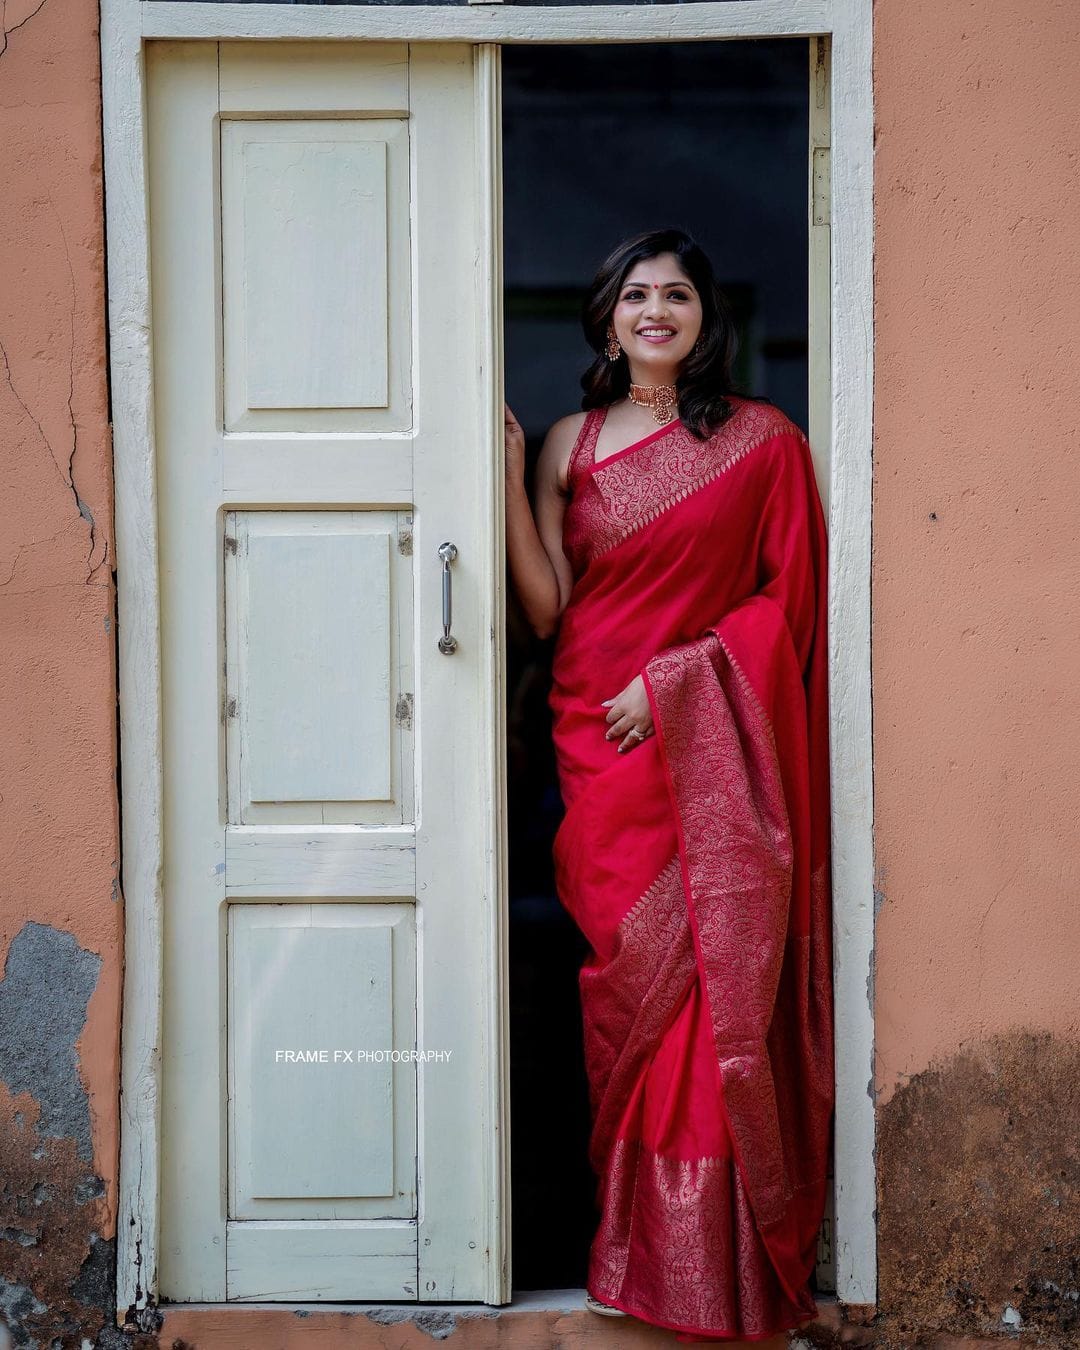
[
  {"x": 57, "y": 1290},
  {"x": 438, "y": 1325},
  {"x": 57, "y": 1272},
  {"x": 47, "y": 983},
  {"x": 39, "y": 1276},
  {"x": 979, "y": 1196},
  {"x": 16, "y": 1303},
  {"x": 95, "y": 1283}
]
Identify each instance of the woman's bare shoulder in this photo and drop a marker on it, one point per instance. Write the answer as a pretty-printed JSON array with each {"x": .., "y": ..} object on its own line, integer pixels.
[
  {"x": 559, "y": 444},
  {"x": 565, "y": 429}
]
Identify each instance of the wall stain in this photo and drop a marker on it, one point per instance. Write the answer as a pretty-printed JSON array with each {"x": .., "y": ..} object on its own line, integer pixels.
[
  {"x": 57, "y": 1266},
  {"x": 979, "y": 1196},
  {"x": 57, "y": 1273}
]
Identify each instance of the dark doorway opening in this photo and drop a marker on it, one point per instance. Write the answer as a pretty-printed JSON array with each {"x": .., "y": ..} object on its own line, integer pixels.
[{"x": 601, "y": 141}]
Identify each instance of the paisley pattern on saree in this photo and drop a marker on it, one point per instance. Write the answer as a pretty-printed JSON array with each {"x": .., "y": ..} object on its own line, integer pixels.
[
  {"x": 629, "y": 1002},
  {"x": 613, "y": 500},
  {"x": 615, "y": 993},
  {"x": 689, "y": 1223},
  {"x": 734, "y": 832},
  {"x": 800, "y": 999}
]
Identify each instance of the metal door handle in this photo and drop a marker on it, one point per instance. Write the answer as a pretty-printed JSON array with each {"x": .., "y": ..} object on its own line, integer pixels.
[{"x": 447, "y": 644}]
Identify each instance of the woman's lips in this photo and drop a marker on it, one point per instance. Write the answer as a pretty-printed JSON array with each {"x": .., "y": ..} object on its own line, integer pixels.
[{"x": 649, "y": 337}]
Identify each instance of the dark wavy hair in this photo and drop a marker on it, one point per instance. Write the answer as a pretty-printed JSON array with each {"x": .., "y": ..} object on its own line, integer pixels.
[{"x": 705, "y": 376}]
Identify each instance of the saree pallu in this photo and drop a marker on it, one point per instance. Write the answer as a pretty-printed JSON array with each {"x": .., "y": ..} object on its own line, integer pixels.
[{"x": 697, "y": 867}]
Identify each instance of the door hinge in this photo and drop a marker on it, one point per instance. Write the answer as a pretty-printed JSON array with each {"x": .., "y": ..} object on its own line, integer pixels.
[
  {"x": 403, "y": 711},
  {"x": 821, "y": 185}
]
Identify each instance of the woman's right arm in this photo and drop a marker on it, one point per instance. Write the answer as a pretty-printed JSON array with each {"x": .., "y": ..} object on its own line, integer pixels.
[{"x": 538, "y": 567}]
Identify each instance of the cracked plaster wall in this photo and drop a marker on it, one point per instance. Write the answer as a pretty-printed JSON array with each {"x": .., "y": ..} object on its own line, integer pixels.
[{"x": 60, "y": 914}]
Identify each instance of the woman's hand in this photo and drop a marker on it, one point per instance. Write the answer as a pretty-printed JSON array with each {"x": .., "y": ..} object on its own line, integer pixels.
[
  {"x": 630, "y": 715},
  {"x": 515, "y": 446}
]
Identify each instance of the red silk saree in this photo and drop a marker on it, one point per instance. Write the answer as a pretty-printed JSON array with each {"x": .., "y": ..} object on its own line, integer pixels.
[{"x": 697, "y": 867}]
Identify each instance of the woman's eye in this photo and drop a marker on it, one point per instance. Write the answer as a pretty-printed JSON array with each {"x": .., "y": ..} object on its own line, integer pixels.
[{"x": 634, "y": 295}]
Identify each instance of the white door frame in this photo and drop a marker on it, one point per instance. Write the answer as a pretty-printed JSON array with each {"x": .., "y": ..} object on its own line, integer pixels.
[{"x": 125, "y": 26}]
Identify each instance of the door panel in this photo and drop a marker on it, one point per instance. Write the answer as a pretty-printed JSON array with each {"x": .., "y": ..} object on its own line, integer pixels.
[
  {"x": 319, "y": 997},
  {"x": 319, "y": 668},
  {"x": 315, "y": 271},
  {"x": 315, "y": 601},
  {"x": 323, "y": 405}
]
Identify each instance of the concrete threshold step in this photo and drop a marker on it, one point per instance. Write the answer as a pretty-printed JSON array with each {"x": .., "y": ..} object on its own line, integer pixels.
[
  {"x": 551, "y": 1319},
  {"x": 532, "y": 1320}
]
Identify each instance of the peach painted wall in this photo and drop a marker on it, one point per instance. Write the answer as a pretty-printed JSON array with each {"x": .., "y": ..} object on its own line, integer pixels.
[
  {"x": 976, "y": 572},
  {"x": 61, "y": 914},
  {"x": 976, "y": 657}
]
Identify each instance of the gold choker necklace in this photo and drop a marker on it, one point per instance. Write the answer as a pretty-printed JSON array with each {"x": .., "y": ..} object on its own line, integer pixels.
[{"x": 660, "y": 397}]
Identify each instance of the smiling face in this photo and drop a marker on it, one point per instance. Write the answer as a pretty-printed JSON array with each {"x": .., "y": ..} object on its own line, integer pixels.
[{"x": 657, "y": 318}]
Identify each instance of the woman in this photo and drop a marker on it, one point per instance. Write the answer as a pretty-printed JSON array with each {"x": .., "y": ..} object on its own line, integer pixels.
[{"x": 678, "y": 550}]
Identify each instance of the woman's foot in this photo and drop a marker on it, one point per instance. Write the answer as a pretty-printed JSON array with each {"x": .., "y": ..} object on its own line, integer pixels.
[{"x": 605, "y": 1309}]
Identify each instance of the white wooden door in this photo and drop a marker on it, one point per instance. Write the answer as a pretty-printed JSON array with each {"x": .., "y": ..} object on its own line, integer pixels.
[{"x": 321, "y": 271}]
